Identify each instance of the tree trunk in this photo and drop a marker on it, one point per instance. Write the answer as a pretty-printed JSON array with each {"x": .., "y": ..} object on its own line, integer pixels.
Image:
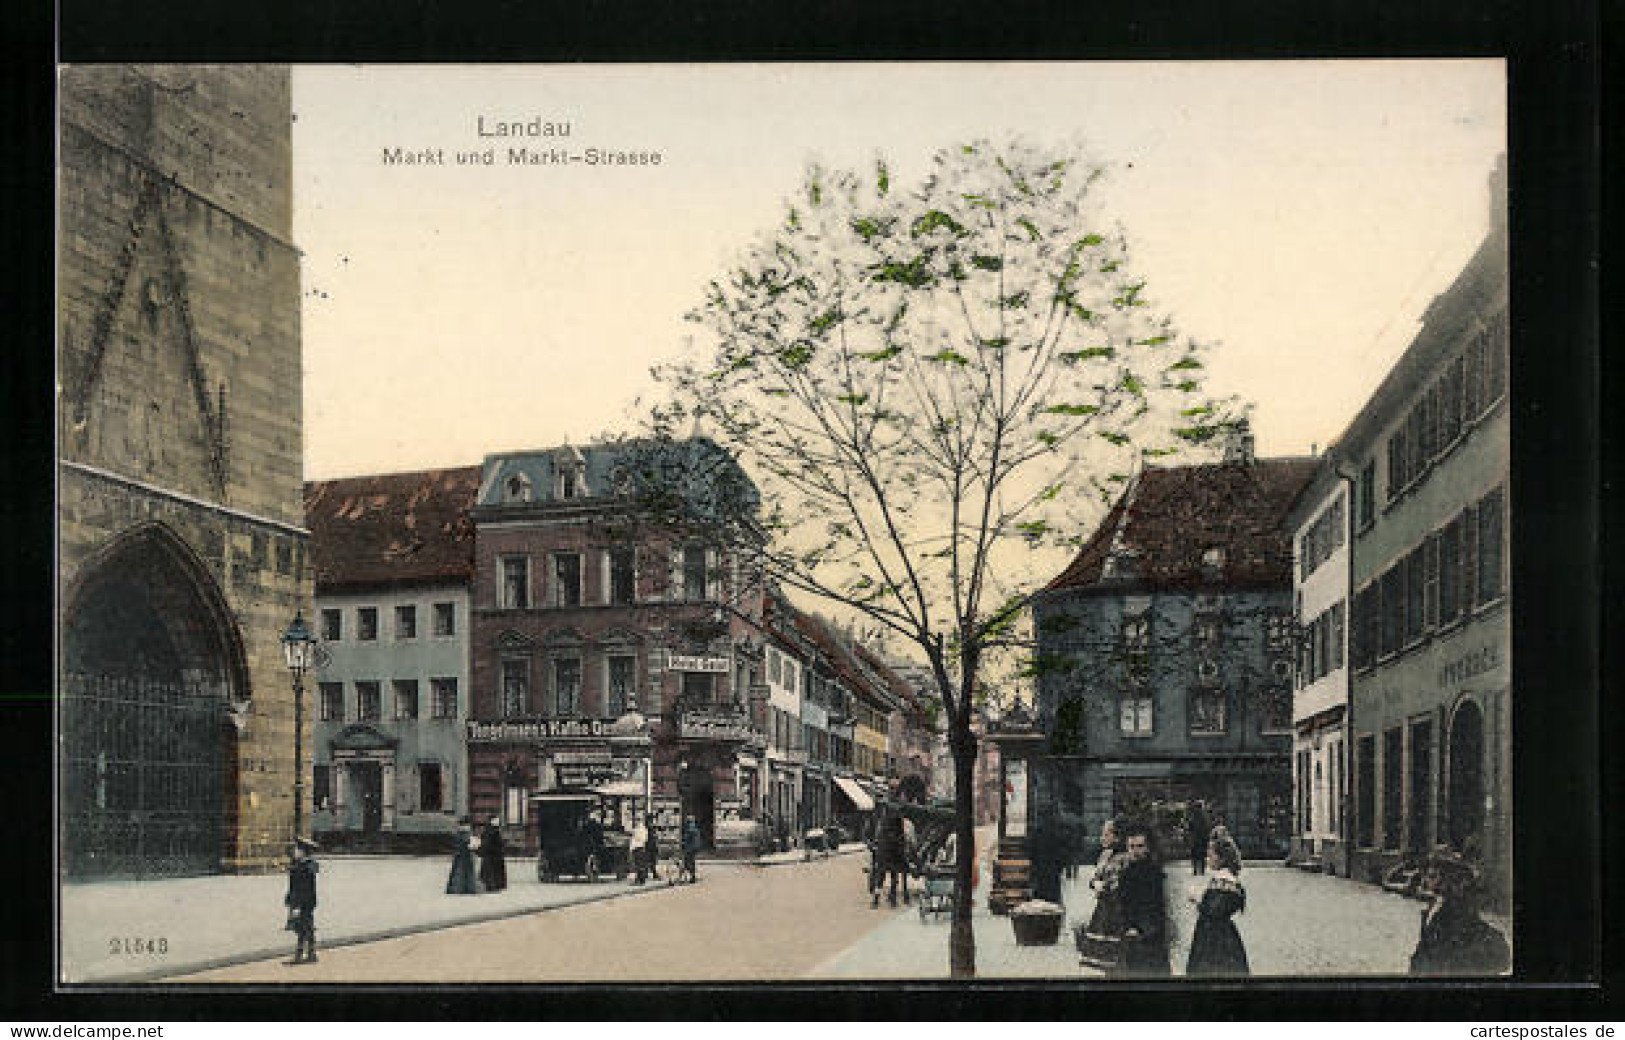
[{"x": 962, "y": 936}]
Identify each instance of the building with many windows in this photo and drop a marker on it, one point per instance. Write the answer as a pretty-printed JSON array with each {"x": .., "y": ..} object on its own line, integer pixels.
[
  {"x": 1165, "y": 654},
  {"x": 1319, "y": 526},
  {"x": 1430, "y": 643},
  {"x": 393, "y": 556},
  {"x": 584, "y": 607}
]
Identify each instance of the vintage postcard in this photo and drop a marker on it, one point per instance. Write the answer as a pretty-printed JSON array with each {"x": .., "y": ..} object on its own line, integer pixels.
[{"x": 869, "y": 522}]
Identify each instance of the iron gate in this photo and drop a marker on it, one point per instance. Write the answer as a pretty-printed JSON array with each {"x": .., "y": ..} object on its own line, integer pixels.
[{"x": 143, "y": 776}]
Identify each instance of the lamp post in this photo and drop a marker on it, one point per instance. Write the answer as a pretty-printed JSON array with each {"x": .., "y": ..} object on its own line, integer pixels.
[{"x": 298, "y": 647}]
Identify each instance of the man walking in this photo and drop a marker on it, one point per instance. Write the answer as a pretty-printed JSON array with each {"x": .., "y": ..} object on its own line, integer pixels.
[{"x": 301, "y": 900}]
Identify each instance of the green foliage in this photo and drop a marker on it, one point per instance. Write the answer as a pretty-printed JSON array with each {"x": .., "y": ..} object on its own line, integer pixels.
[
  {"x": 881, "y": 355},
  {"x": 948, "y": 355},
  {"x": 914, "y": 273},
  {"x": 1071, "y": 409},
  {"x": 1073, "y": 357},
  {"x": 935, "y": 220},
  {"x": 983, "y": 262}
]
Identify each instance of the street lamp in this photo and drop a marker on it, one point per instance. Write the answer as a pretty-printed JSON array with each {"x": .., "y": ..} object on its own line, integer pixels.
[{"x": 298, "y": 648}]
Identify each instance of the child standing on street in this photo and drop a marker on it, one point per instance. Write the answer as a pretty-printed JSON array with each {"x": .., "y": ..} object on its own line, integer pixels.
[{"x": 301, "y": 900}]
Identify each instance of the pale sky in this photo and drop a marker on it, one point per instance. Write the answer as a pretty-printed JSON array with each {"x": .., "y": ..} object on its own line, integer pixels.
[{"x": 1300, "y": 214}]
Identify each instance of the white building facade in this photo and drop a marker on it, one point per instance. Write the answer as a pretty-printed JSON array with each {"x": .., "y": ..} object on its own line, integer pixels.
[{"x": 1320, "y": 529}]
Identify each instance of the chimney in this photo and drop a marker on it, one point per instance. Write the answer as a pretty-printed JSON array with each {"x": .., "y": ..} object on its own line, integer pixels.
[{"x": 1238, "y": 443}]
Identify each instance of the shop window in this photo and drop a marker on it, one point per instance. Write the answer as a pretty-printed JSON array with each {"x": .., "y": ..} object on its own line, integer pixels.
[
  {"x": 368, "y": 701},
  {"x": 444, "y": 692},
  {"x": 514, "y": 796},
  {"x": 366, "y": 624},
  {"x": 332, "y": 701},
  {"x": 332, "y": 624},
  {"x": 445, "y": 619},
  {"x": 406, "y": 622},
  {"x": 406, "y": 698},
  {"x": 429, "y": 787}
]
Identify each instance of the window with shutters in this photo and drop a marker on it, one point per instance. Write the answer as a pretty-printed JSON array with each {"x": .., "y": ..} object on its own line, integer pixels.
[{"x": 1491, "y": 577}]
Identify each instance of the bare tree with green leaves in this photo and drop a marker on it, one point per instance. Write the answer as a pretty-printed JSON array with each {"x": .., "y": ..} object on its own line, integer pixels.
[{"x": 935, "y": 388}]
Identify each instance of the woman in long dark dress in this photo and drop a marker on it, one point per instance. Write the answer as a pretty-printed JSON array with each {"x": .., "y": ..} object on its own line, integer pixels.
[
  {"x": 461, "y": 881},
  {"x": 1100, "y": 940},
  {"x": 1216, "y": 946},
  {"x": 493, "y": 866}
]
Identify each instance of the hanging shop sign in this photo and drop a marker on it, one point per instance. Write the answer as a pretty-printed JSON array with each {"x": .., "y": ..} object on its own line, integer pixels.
[{"x": 697, "y": 663}]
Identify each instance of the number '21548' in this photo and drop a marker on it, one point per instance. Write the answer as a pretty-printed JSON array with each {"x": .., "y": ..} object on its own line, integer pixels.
[{"x": 131, "y": 947}]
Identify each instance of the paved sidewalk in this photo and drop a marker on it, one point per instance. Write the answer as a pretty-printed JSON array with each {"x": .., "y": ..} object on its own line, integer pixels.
[
  {"x": 1296, "y": 924},
  {"x": 110, "y": 927},
  {"x": 138, "y": 931}
]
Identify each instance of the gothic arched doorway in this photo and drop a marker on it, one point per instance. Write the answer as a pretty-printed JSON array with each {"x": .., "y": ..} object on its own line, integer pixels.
[
  {"x": 1466, "y": 790},
  {"x": 150, "y": 663}
]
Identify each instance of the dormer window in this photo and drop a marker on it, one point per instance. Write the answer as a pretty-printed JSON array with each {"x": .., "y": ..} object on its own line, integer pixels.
[
  {"x": 571, "y": 467},
  {"x": 572, "y": 483},
  {"x": 516, "y": 488}
]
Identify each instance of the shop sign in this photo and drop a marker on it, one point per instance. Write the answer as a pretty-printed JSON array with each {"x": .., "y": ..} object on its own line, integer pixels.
[
  {"x": 1469, "y": 665},
  {"x": 707, "y": 726},
  {"x": 697, "y": 663},
  {"x": 521, "y": 730}
]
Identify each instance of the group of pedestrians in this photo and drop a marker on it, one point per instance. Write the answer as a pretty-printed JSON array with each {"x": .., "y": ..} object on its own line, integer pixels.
[
  {"x": 492, "y": 851},
  {"x": 1128, "y": 933}
]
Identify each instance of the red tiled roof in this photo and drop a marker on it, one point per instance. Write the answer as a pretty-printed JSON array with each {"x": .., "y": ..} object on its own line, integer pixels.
[
  {"x": 1169, "y": 518},
  {"x": 396, "y": 528}
]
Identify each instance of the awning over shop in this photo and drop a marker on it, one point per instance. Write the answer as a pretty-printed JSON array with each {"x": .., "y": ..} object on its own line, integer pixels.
[{"x": 856, "y": 795}]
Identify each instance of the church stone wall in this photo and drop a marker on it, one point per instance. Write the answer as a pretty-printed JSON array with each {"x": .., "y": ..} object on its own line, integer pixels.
[{"x": 179, "y": 367}]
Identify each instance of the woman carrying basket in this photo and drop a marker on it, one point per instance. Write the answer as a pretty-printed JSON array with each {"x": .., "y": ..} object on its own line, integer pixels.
[{"x": 1101, "y": 940}]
